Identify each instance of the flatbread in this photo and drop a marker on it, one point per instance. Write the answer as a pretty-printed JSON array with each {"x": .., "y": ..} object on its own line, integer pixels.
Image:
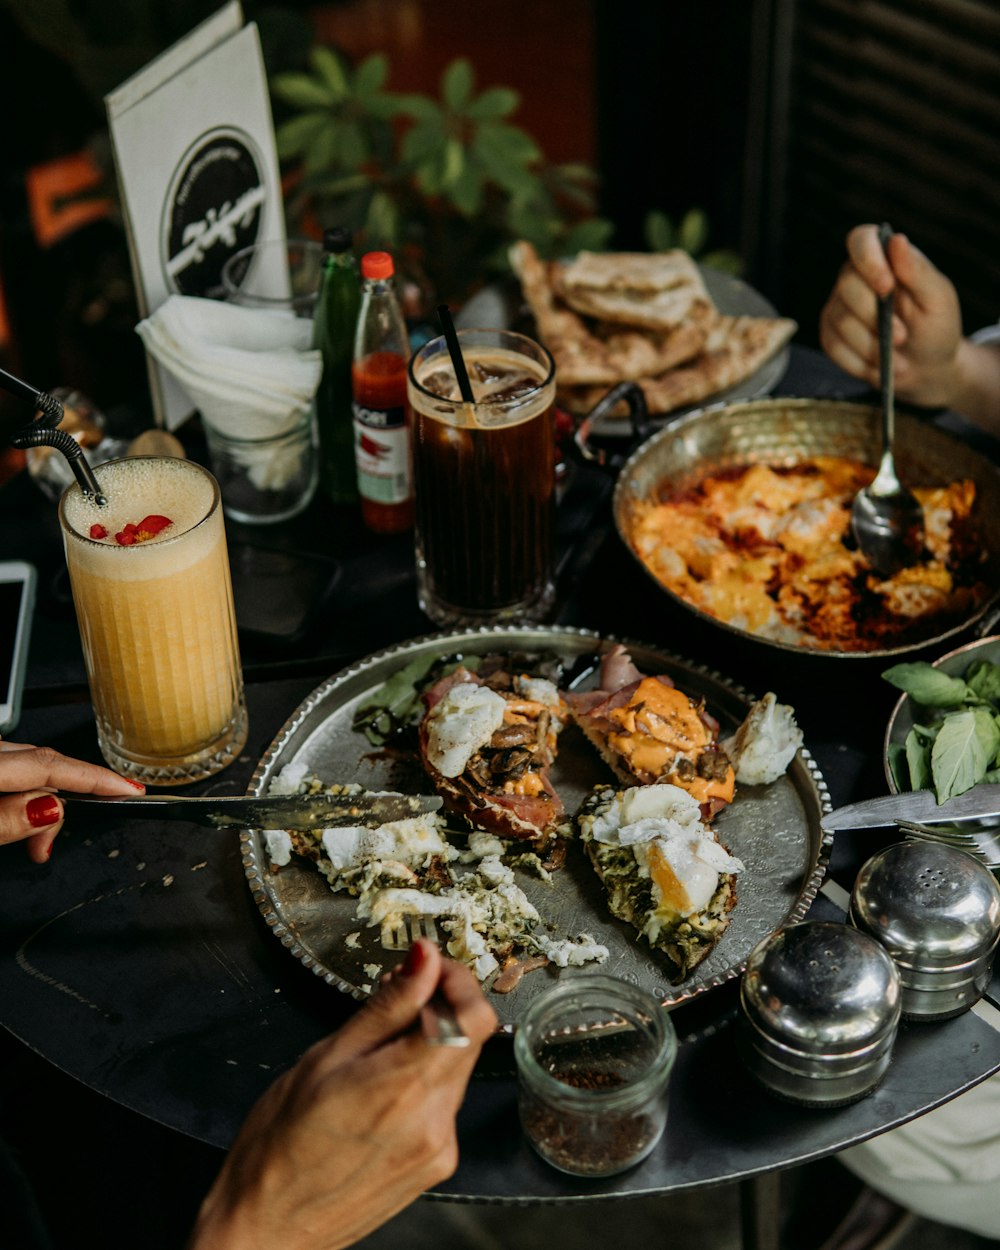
[
  {"x": 602, "y": 354},
  {"x": 735, "y": 348},
  {"x": 653, "y": 291}
]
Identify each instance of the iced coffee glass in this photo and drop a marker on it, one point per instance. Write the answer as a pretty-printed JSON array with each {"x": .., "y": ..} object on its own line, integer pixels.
[
  {"x": 154, "y": 603},
  {"x": 484, "y": 476}
]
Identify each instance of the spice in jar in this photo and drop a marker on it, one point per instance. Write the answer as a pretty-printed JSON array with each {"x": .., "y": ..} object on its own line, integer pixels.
[{"x": 594, "y": 1057}]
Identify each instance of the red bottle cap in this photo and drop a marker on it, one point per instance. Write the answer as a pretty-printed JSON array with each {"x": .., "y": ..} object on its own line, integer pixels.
[{"x": 377, "y": 265}]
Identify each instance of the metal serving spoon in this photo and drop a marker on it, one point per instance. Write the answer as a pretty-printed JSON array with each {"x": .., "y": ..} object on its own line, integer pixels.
[{"x": 887, "y": 520}]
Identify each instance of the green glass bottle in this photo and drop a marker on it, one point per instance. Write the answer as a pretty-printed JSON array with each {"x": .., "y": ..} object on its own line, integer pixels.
[{"x": 334, "y": 327}]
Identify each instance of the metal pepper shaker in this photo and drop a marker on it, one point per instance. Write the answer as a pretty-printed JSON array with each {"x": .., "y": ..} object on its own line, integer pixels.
[
  {"x": 936, "y": 911},
  {"x": 820, "y": 1010}
]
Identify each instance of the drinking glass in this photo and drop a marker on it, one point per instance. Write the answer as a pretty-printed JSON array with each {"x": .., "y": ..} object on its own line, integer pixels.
[
  {"x": 157, "y": 620},
  {"x": 484, "y": 478},
  {"x": 283, "y": 276}
]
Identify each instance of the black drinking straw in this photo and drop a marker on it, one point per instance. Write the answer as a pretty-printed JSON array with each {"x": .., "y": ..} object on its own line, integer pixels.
[
  {"x": 451, "y": 338},
  {"x": 42, "y": 433}
]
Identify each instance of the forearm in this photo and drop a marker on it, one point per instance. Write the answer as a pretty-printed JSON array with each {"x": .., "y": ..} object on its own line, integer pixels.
[{"x": 975, "y": 386}]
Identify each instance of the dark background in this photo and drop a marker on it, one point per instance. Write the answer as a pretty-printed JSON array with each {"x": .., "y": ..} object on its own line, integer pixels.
[{"x": 787, "y": 121}]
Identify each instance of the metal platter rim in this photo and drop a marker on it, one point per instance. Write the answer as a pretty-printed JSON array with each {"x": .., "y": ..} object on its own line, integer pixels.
[{"x": 254, "y": 866}]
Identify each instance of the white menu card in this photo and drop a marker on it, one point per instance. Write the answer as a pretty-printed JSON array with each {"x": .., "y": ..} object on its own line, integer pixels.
[{"x": 193, "y": 141}]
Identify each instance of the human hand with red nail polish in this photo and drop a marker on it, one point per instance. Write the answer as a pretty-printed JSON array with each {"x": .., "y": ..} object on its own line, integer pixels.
[
  {"x": 29, "y": 811},
  {"x": 358, "y": 1129}
]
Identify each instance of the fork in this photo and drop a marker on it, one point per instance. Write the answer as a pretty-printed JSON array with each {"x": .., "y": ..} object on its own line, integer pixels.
[
  {"x": 438, "y": 1021},
  {"x": 984, "y": 845}
]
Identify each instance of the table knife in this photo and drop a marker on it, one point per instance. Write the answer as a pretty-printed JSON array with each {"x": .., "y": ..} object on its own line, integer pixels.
[
  {"x": 285, "y": 811},
  {"x": 979, "y": 803}
]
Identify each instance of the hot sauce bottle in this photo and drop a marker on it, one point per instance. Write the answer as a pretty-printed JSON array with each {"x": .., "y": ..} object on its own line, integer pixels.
[{"x": 378, "y": 376}]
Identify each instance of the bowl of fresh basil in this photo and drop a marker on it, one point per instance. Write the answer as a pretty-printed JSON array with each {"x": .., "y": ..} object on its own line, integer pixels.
[{"x": 944, "y": 732}]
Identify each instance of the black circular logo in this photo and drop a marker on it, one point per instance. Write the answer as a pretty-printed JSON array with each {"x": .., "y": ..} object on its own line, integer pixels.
[{"x": 213, "y": 209}]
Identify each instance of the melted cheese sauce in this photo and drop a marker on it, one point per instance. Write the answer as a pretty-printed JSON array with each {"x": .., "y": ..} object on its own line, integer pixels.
[{"x": 657, "y": 729}]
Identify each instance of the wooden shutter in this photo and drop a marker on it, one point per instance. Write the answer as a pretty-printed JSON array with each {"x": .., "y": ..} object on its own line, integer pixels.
[{"x": 871, "y": 110}]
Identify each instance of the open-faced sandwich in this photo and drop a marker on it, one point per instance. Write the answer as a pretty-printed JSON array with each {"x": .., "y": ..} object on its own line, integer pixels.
[
  {"x": 664, "y": 870},
  {"x": 648, "y": 730},
  {"x": 487, "y": 743}
]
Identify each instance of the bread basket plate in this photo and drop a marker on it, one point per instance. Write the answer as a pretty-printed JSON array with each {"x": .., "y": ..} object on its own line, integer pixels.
[{"x": 774, "y": 829}]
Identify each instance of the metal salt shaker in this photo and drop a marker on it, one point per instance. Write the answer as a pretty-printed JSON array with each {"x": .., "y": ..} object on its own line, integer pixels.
[
  {"x": 936, "y": 911},
  {"x": 820, "y": 1010}
]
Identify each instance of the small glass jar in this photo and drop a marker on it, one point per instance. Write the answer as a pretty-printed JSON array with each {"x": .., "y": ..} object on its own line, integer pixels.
[
  {"x": 594, "y": 1057},
  {"x": 265, "y": 480}
]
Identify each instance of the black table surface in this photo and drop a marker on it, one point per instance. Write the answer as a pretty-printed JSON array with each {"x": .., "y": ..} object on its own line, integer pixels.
[{"x": 138, "y": 962}]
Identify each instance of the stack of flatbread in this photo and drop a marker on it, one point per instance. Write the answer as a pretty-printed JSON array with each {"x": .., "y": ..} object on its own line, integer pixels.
[{"x": 641, "y": 317}]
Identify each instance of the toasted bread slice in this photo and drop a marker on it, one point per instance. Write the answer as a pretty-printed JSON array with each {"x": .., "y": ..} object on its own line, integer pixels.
[
  {"x": 664, "y": 870},
  {"x": 487, "y": 747},
  {"x": 647, "y": 730}
]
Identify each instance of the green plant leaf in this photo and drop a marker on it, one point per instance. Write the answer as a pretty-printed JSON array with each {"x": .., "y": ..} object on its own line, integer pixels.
[
  {"x": 658, "y": 231},
  {"x": 303, "y": 92},
  {"x": 371, "y": 74},
  {"x": 297, "y": 134},
  {"x": 384, "y": 106},
  {"x": 382, "y": 221},
  {"x": 724, "y": 261},
  {"x": 493, "y": 103},
  {"x": 457, "y": 83},
  {"x": 337, "y": 187},
  {"x": 352, "y": 146},
  {"x": 419, "y": 107},
  {"x": 692, "y": 233},
  {"x": 324, "y": 150},
  {"x": 592, "y": 235},
  {"x": 422, "y": 142},
  {"x": 466, "y": 192},
  {"x": 526, "y": 221},
  {"x": 927, "y": 685},
  {"x": 330, "y": 70},
  {"x": 509, "y": 145},
  {"x": 453, "y": 164},
  {"x": 963, "y": 751}
]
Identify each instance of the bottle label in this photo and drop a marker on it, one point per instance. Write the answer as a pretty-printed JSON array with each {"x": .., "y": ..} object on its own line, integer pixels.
[{"x": 382, "y": 453}]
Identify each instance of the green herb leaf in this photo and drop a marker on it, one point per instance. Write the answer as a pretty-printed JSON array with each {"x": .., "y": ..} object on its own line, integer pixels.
[
  {"x": 983, "y": 678},
  {"x": 918, "y": 761},
  {"x": 659, "y": 231},
  {"x": 927, "y": 685},
  {"x": 898, "y": 768},
  {"x": 963, "y": 751}
]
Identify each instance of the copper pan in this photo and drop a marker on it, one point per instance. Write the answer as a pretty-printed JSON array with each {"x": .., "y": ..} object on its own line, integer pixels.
[{"x": 785, "y": 431}]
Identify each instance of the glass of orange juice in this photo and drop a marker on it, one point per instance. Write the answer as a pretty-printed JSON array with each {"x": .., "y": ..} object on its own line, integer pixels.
[{"x": 150, "y": 577}]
